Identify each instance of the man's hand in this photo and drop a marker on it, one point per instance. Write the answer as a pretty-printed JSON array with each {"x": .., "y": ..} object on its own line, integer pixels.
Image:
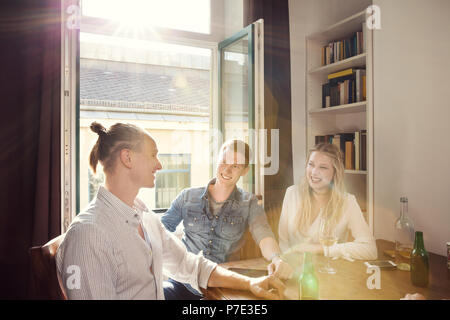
[
  {"x": 280, "y": 269},
  {"x": 267, "y": 287}
]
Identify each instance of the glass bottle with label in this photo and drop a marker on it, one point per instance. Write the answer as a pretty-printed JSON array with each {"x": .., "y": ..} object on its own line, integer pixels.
[
  {"x": 419, "y": 262},
  {"x": 307, "y": 282},
  {"x": 404, "y": 237}
]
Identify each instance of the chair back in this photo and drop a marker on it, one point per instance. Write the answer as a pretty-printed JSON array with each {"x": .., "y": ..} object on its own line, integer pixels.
[{"x": 45, "y": 280}]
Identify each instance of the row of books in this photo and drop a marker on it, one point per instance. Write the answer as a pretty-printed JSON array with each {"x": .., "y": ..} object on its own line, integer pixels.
[
  {"x": 344, "y": 87},
  {"x": 340, "y": 50},
  {"x": 352, "y": 145}
]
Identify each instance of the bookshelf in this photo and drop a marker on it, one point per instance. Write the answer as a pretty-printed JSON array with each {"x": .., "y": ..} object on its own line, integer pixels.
[
  {"x": 344, "y": 118},
  {"x": 355, "y": 61}
]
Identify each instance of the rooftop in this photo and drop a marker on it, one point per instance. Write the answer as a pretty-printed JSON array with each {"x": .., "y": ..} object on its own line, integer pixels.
[{"x": 108, "y": 86}]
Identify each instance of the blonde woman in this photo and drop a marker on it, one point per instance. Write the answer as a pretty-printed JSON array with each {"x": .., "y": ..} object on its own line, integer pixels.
[{"x": 322, "y": 192}]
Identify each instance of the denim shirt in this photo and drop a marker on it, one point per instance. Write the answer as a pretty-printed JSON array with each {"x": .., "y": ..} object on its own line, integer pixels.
[{"x": 217, "y": 236}]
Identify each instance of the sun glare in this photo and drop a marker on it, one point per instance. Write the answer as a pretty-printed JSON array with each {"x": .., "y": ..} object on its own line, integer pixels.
[
  {"x": 192, "y": 15},
  {"x": 167, "y": 48}
]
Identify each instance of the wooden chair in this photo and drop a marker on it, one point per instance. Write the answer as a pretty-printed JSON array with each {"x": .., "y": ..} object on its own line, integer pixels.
[
  {"x": 251, "y": 250},
  {"x": 45, "y": 281}
]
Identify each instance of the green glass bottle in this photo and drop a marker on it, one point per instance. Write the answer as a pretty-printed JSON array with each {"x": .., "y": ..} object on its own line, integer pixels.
[
  {"x": 307, "y": 282},
  {"x": 419, "y": 262}
]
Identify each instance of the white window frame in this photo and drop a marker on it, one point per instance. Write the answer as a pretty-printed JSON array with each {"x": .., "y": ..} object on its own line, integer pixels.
[
  {"x": 68, "y": 113},
  {"x": 68, "y": 87}
]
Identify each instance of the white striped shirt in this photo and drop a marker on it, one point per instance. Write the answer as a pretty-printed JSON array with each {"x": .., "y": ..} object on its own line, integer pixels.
[{"x": 104, "y": 257}]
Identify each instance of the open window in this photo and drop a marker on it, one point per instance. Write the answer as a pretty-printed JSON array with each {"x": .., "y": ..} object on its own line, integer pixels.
[
  {"x": 240, "y": 96},
  {"x": 167, "y": 82}
]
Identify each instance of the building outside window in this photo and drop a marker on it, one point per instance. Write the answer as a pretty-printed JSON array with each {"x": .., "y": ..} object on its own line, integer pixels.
[
  {"x": 172, "y": 179},
  {"x": 95, "y": 181},
  {"x": 164, "y": 89}
]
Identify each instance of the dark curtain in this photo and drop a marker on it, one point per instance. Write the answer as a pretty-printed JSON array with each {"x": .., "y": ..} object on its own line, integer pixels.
[
  {"x": 30, "y": 192},
  {"x": 277, "y": 89}
]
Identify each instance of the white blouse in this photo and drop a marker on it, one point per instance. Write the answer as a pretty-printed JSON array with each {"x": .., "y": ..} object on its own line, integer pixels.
[
  {"x": 111, "y": 259},
  {"x": 363, "y": 247}
]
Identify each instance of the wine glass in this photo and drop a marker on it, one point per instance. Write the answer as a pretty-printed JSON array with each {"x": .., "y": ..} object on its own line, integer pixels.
[{"x": 327, "y": 238}]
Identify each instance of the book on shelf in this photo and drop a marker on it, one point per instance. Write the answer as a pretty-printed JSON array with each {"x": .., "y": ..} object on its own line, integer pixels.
[
  {"x": 326, "y": 102},
  {"x": 336, "y": 51},
  {"x": 364, "y": 88},
  {"x": 324, "y": 139},
  {"x": 364, "y": 37},
  {"x": 352, "y": 146},
  {"x": 357, "y": 150},
  {"x": 359, "y": 74},
  {"x": 341, "y": 73},
  {"x": 344, "y": 87},
  {"x": 349, "y": 155},
  {"x": 363, "y": 143},
  {"x": 336, "y": 140}
]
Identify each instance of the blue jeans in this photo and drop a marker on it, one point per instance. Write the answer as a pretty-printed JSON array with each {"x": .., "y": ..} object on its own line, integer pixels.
[{"x": 174, "y": 290}]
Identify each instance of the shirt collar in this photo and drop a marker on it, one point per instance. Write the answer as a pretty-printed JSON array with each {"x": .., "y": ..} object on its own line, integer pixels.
[
  {"x": 125, "y": 213},
  {"x": 233, "y": 196}
]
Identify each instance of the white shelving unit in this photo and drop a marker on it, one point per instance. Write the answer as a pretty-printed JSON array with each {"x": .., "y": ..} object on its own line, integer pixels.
[{"x": 344, "y": 118}]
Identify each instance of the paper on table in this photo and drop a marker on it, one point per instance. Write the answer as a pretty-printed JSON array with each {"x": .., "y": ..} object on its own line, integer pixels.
[{"x": 345, "y": 258}]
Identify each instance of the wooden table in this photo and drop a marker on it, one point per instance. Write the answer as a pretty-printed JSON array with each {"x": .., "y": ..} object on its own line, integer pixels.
[{"x": 350, "y": 281}]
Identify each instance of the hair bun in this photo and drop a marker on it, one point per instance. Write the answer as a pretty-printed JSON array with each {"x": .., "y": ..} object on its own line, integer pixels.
[{"x": 98, "y": 128}]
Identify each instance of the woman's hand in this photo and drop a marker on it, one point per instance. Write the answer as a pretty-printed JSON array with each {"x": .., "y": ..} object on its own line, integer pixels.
[
  {"x": 280, "y": 269},
  {"x": 267, "y": 287}
]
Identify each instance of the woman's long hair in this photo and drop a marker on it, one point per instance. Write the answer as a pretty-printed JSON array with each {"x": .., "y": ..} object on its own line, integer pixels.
[{"x": 333, "y": 209}]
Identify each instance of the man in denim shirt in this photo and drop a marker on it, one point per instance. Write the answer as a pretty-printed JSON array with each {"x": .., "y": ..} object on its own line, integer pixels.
[{"x": 215, "y": 218}]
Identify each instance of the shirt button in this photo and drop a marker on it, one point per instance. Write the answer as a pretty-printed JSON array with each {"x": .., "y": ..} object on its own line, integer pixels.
[
  {"x": 212, "y": 229},
  {"x": 210, "y": 241},
  {"x": 217, "y": 217}
]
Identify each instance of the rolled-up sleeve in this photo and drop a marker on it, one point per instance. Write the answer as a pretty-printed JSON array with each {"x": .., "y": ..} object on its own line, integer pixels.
[
  {"x": 86, "y": 264},
  {"x": 258, "y": 225},
  {"x": 184, "y": 266}
]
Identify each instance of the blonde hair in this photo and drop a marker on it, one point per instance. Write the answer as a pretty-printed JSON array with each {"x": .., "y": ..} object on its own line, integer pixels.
[{"x": 334, "y": 206}]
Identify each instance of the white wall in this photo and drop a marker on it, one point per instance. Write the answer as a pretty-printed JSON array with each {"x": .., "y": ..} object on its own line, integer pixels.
[
  {"x": 411, "y": 113},
  {"x": 233, "y": 16},
  {"x": 306, "y": 17}
]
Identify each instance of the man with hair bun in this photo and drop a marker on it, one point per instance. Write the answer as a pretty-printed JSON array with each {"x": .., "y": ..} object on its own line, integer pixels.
[{"x": 116, "y": 248}]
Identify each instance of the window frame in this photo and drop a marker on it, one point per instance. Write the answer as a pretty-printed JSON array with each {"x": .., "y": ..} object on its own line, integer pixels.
[
  {"x": 248, "y": 32},
  {"x": 70, "y": 102}
]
